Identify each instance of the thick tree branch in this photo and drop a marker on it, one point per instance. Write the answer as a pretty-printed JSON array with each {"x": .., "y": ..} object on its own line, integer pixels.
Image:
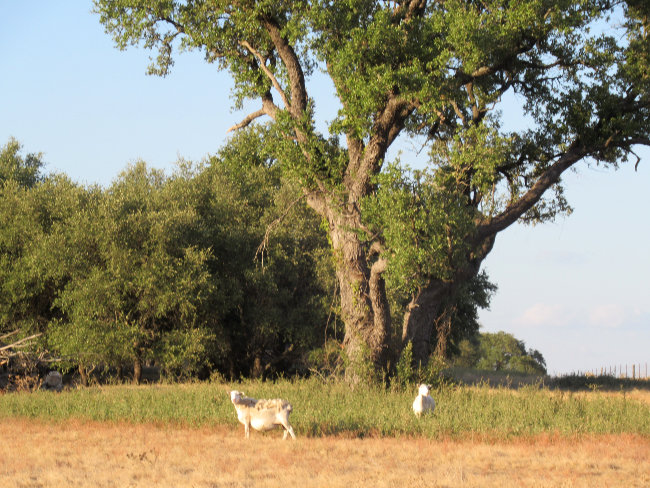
[
  {"x": 290, "y": 59},
  {"x": 518, "y": 208},
  {"x": 388, "y": 125},
  {"x": 249, "y": 118},
  {"x": 268, "y": 108}
]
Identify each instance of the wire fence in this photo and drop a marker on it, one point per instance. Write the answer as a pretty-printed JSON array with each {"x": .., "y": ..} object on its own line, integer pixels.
[{"x": 636, "y": 371}]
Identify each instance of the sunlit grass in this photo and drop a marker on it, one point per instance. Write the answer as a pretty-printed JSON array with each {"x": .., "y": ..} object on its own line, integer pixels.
[{"x": 334, "y": 409}]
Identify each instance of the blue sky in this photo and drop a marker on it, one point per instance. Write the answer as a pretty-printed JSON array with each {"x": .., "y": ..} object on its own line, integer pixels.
[{"x": 577, "y": 289}]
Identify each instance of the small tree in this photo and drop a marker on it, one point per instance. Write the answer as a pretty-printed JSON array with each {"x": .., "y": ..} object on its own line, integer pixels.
[
  {"x": 136, "y": 297},
  {"x": 500, "y": 352},
  {"x": 31, "y": 219}
]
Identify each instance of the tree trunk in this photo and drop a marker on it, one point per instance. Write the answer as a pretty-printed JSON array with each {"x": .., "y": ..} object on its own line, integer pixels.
[
  {"x": 83, "y": 373},
  {"x": 137, "y": 371},
  {"x": 364, "y": 307},
  {"x": 258, "y": 370}
]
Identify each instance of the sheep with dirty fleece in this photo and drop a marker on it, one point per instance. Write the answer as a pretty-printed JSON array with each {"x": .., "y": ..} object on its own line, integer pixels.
[
  {"x": 262, "y": 415},
  {"x": 423, "y": 402}
]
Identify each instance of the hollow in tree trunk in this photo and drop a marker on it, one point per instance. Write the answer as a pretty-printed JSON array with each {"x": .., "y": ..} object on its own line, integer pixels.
[{"x": 427, "y": 321}]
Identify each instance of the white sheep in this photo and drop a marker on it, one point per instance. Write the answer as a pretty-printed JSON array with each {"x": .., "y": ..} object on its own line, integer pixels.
[
  {"x": 423, "y": 402},
  {"x": 262, "y": 415}
]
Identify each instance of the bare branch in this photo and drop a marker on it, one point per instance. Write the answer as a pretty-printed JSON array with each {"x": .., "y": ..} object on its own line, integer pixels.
[
  {"x": 261, "y": 249},
  {"x": 638, "y": 160},
  {"x": 20, "y": 343},
  {"x": 9, "y": 334},
  {"x": 267, "y": 72},
  {"x": 249, "y": 118},
  {"x": 268, "y": 108}
]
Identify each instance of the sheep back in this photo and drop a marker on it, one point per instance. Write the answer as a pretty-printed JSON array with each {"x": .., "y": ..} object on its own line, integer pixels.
[{"x": 276, "y": 404}]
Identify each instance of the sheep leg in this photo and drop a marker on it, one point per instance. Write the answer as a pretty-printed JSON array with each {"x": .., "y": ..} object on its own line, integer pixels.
[
  {"x": 247, "y": 429},
  {"x": 288, "y": 430}
]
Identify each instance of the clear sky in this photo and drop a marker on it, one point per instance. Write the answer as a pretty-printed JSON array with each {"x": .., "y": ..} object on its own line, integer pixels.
[{"x": 577, "y": 289}]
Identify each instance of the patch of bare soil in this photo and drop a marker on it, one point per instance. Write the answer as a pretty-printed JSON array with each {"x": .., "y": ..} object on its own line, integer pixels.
[{"x": 74, "y": 454}]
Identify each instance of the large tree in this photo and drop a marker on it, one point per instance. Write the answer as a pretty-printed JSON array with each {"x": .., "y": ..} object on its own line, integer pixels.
[{"x": 435, "y": 69}]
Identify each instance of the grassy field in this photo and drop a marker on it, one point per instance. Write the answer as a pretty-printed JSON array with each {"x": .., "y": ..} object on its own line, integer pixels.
[
  {"x": 323, "y": 409},
  {"x": 188, "y": 435},
  {"x": 35, "y": 453}
]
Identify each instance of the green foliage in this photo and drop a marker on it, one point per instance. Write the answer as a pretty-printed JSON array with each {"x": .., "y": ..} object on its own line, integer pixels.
[
  {"x": 141, "y": 283},
  {"x": 273, "y": 262},
  {"x": 422, "y": 224},
  {"x": 410, "y": 373},
  {"x": 499, "y": 352},
  {"x": 30, "y": 221},
  {"x": 25, "y": 171},
  {"x": 404, "y": 370},
  {"x": 471, "y": 295}
]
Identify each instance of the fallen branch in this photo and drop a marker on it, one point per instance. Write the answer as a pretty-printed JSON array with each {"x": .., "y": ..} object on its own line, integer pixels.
[
  {"x": 9, "y": 334},
  {"x": 20, "y": 343}
]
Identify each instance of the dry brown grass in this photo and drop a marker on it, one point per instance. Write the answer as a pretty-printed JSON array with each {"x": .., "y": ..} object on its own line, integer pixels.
[{"x": 75, "y": 454}]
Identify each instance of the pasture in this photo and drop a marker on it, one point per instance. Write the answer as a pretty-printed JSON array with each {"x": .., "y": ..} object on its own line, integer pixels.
[{"x": 188, "y": 435}]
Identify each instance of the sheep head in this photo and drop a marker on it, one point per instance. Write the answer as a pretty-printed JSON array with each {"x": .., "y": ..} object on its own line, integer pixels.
[{"x": 236, "y": 396}]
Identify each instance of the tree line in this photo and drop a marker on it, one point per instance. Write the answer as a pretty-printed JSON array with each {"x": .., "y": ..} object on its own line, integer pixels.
[
  {"x": 218, "y": 268},
  {"x": 165, "y": 269}
]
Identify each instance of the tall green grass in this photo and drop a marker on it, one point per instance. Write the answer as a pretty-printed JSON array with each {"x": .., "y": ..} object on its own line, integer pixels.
[{"x": 334, "y": 409}]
